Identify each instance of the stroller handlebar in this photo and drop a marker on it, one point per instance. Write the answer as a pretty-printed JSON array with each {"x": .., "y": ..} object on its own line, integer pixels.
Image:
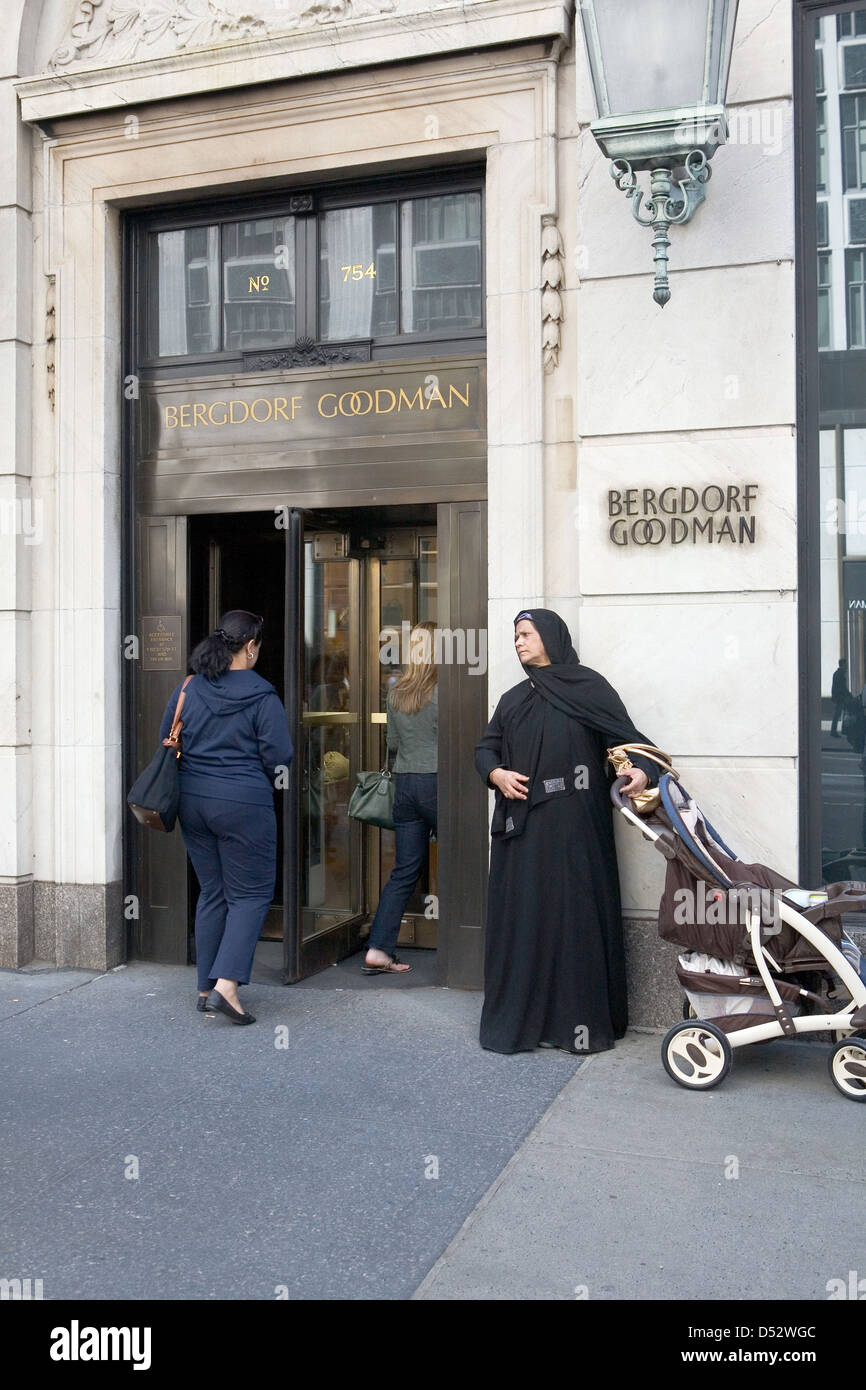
[
  {"x": 623, "y": 804},
  {"x": 616, "y": 796}
]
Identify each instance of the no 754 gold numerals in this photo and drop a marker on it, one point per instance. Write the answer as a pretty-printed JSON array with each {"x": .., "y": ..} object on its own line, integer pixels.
[{"x": 357, "y": 272}]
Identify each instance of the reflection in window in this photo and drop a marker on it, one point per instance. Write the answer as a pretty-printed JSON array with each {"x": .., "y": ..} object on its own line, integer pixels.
[
  {"x": 855, "y": 276},
  {"x": 357, "y": 272},
  {"x": 428, "y": 579},
  {"x": 853, "y": 118},
  {"x": 841, "y": 258},
  {"x": 188, "y": 279},
  {"x": 854, "y": 62},
  {"x": 856, "y": 220},
  {"x": 824, "y": 301},
  {"x": 851, "y": 24},
  {"x": 823, "y": 223},
  {"x": 441, "y": 270},
  {"x": 821, "y": 143},
  {"x": 259, "y": 283},
  {"x": 327, "y": 756}
]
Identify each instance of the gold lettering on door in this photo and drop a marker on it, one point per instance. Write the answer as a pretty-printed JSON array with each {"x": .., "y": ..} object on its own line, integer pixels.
[{"x": 330, "y": 404}]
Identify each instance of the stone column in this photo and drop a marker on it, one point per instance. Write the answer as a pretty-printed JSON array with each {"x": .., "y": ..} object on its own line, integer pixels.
[{"x": 21, "y": 522}]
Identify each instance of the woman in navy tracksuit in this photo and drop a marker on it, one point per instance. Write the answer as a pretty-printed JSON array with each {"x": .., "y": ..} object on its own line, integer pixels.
[{"x": 235, "y": 743}]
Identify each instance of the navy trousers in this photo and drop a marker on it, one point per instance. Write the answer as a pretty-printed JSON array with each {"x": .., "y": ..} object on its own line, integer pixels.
[
  {"x": 233, "y": 849},
  {"x": 414, "y": 818}
]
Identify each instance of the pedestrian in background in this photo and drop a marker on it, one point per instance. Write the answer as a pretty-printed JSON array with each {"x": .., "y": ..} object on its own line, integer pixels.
[
  {"x": 839, "y": 694},
  {"x": 413, "y": 711}
]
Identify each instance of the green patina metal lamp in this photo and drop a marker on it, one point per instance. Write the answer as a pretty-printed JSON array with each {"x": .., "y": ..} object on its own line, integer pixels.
[{"x": 660, "y": 72}]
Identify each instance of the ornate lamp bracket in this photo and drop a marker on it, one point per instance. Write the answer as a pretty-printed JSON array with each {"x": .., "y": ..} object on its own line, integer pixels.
[{"x": 664, "y": 208}]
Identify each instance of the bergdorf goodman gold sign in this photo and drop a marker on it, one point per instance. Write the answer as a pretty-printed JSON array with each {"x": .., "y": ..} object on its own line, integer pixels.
[
  {"x": 715, "y": 514},
  {"x": 328, "y": 405}
]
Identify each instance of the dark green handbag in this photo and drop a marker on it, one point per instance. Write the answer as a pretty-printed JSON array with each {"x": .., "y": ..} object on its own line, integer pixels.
[{"x": 372, "y": 801}]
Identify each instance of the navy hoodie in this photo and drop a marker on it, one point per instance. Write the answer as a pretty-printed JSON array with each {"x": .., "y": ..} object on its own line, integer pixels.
[{"x": 235, "y": 737}]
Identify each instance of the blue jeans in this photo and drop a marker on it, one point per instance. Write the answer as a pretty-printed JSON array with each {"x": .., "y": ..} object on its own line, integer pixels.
[
  {"x": 233, "y": 848},
  {"x": 414, "y": 818}
]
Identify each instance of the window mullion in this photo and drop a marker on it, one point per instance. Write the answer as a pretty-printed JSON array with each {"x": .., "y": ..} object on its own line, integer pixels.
[
  {"x": 307, "y": 272},
  {"x": 398, "y": 261}
]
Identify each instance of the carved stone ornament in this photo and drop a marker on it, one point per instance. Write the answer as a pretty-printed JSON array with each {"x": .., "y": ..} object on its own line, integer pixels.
[
  {"x": 552, "y": 281},
  {"x": 307, "y": 353},
  {"x": 50, "y": 335},
  {"x": 106, "y": 32}
]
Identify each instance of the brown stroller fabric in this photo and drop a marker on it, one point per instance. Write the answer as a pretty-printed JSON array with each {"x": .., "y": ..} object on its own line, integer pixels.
[
  {"x": 710, "y": 899},
  {"x": 728, "y": 938}
]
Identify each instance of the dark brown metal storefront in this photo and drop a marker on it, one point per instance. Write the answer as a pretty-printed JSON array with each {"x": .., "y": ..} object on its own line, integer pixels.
[{"x": 343, "y": 500}]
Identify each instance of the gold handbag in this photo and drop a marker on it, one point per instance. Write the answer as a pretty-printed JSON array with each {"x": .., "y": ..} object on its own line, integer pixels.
[{"x": 645, "y": 801}]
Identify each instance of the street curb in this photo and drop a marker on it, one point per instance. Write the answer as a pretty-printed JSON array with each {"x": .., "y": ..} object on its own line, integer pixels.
[{"x": 494, "y": 1187}]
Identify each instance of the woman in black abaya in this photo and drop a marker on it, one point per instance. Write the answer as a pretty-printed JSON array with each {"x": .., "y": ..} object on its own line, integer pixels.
[{"x": 554, "y": 961}]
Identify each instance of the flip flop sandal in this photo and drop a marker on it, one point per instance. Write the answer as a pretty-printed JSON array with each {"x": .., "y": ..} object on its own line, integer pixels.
[{"x": 385, "y": 969}]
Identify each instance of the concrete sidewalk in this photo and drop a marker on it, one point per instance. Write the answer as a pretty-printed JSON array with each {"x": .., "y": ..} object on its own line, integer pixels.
[
  {"x": 633, "y": 1188},
  {"x": 357, "y": 1143},
  {"x": 332, "y": 1150}
]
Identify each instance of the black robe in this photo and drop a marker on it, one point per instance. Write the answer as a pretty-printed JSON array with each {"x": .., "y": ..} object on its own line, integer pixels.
[{"x": 554, "y": 958}]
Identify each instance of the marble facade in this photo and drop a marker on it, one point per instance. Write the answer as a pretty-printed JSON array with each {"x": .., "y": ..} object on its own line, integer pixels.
[{"x": 98, "y": 113}]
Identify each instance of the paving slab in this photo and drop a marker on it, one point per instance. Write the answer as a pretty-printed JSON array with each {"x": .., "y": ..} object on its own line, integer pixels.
[
  {"x": 630, "y": 1187},
  {"x": 332, "y": 1150}
]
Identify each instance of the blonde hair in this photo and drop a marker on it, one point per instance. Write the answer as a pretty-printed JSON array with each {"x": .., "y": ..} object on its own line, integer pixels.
[{"x": 414, "y": 689}]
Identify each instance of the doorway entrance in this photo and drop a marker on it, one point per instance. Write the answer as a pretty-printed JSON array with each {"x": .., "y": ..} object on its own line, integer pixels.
[{"x": 367, "y": 578}]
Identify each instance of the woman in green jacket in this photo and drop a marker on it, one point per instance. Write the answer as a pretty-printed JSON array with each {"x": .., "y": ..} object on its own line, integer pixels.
[{"x": 412, "y": 731}]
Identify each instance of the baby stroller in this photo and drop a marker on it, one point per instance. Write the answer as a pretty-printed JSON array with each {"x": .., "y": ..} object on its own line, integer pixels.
[{"x": 761, "y": 957}]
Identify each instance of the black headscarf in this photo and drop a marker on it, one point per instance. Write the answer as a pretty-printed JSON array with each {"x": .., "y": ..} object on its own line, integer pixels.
[{"x": 538, "y": 745}]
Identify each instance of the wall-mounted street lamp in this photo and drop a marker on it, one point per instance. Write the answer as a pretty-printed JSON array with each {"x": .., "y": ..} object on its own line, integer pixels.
[{"x": 660, "y": 73}]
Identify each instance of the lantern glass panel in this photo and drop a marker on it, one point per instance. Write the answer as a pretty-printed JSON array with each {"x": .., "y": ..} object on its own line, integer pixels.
[{"x": 658, "y": 54}]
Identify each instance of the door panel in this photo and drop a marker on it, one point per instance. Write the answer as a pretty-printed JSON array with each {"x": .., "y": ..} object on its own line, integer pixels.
[
  {"x": 293, "y": 630},
  {"x": 162, "y": 595},
  {"x": 330, "y": 749},
  {"x": 402, "y": 585},
  {"x": 462, "y": 532},
  {"x": 327, "y": 608}
]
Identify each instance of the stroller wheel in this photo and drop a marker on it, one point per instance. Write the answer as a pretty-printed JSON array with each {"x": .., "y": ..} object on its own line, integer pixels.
[
  {"x": 848, "y": 1068},
  {"x": 696, "y": 1055}
]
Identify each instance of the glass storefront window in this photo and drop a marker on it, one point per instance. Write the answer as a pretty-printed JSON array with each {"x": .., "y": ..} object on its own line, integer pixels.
[
  {"x": 258, "y": 283},
  {"x": 428, "y": 583},
  {"x": 841, "y": 225},
  {"x": 441, "y": 263},
  {"x": 188, "y": 288},
  {"x": 357, "y": 272},
  {"x": 326, "y": 759},
  {"x": 376, "y": 270}
]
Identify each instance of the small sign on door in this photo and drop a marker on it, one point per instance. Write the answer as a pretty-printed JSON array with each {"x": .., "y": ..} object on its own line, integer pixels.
[{"x": 161, "y": 643}]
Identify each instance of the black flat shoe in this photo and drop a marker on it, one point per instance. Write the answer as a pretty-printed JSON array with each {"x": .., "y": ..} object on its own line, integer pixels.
[
  {"x": 222, "y": 1006},
  {"x": 202, "y": 1004}
]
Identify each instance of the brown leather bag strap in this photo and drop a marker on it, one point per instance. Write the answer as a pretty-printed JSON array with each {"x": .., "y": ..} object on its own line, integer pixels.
[
  {"x": 646, "y": 750},
  {"x": 177, "y": 723}
]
